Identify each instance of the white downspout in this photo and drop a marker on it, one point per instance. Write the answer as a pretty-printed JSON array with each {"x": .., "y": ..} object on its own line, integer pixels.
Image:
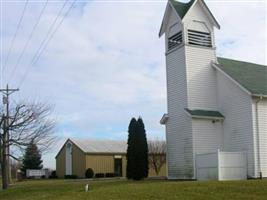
[{"x": 258, "y": 136}]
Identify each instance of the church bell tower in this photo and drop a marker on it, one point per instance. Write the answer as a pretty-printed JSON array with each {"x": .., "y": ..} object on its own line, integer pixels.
[{"x": 191, "y": 81}]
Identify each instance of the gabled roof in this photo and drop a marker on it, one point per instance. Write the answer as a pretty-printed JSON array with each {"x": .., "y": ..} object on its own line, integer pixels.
[
  {"x": 210, "y": 114},
  {"x": 252, "y": 77},
  {"x": 101, "y": 146},
  {"x": 182, "y": 9}
]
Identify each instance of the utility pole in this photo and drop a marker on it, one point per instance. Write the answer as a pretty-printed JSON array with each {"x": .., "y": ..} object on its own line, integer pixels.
[{"x": 5, "y": 140}]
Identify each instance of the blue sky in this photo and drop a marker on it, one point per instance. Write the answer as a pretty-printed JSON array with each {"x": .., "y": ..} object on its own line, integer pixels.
[{"x": 106, "y": 63}]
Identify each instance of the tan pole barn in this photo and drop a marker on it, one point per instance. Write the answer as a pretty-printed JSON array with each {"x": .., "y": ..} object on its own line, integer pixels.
[{"x": 103, "y": 156}]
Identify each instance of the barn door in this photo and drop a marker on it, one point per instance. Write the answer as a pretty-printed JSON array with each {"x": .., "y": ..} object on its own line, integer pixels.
[{"x": 118, "y": 166}]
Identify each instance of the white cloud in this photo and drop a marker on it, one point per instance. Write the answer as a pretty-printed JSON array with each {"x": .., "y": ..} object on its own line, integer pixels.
[{"x": 243, "y": 29}]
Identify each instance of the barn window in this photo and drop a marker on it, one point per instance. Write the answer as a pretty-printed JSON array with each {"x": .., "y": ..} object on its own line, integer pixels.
[
  {"x": 175, "y": 40},
  {"x": 199, "y": 38}
]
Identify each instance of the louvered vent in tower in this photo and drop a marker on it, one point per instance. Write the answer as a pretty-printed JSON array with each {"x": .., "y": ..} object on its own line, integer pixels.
[
  {"x": 175, "y": 40},
  {"x": 199, "y": 38}
]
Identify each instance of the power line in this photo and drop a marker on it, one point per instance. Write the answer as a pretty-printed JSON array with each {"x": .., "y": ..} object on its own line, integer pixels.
[
  {"x": 43, "y": 41},
  {"x": 47, "y": 42},
  {"x": 1, "y": 43},
  {"x": 49, "y": 31},
  {"x": 52, "y": 35},
  {"x": 16, "y": 32},
  {"x": 29, "y": 38}
]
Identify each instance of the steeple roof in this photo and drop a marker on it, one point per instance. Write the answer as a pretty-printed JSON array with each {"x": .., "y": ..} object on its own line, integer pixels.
[{"x": 181, "y": 8}]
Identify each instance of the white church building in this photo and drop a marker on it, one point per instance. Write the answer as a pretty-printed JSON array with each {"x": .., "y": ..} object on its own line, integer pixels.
[{"x": 216, "y": 123}]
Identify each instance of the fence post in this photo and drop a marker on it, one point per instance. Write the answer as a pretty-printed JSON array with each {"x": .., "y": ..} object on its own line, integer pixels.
[
  {"x": 246, "y": 163},
  {"x": 219, "y": 164}
]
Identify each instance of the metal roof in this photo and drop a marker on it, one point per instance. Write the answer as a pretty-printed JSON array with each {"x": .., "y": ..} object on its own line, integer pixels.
[
  {"x": 101, "y": 146},
  {"x": 251, "y": 76},
  {"x": 205, "y": 113}
]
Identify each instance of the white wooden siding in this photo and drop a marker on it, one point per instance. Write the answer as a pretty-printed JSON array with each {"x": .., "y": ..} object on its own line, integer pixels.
[
  {"x": 178, "y": 126},
  {"x": 201, "y": 79},
  {"x": 191, "y": 82},
  {"x": 255, "y": 141},
  {"x": 173, "y": 19},
  {"x": 263, "y": 135},
  {"x": 207, "y": 136},
  {"x": 174, "y": 25},
  {"x": 262, "y": 128},
  {"x": 201, "y": 83},
  {"x": 197, "y": 14},
  {"x": 236, "y": 106}
]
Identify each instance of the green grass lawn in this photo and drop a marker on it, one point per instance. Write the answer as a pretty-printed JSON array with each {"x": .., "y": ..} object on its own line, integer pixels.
[{"x": 123, "y": 189}]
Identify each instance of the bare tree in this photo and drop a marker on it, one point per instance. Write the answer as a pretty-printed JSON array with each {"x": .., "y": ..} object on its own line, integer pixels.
[
  {"x": 157, "y": 154},
  {"x": 28, "y": 122}
]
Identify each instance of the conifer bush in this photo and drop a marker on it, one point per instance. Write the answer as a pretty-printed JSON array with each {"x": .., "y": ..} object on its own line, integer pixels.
[{"x": 89, "y": 173}]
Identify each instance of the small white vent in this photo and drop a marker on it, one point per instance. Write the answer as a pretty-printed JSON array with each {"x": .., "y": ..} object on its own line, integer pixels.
[
  {"x": 175, "y": 40},
  {"x": 199, "y": 38}
]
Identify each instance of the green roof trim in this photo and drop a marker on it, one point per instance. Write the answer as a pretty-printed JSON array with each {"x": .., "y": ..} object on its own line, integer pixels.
[
  {"x": 181, "y": 8},
  {"x": 252, "y": 77},
  {"x": 204, "y": 113}
]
